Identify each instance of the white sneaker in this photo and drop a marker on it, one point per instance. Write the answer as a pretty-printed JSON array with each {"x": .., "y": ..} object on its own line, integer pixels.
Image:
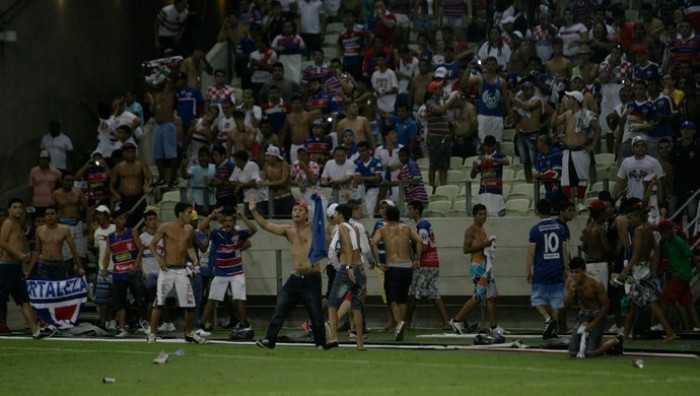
[
  {"x": 656, "y": 327},
  {"x": 614, "y": 329},
  {"x": 581, "y": 208},
  {"x": 122, "y": 334},
  {"x": 162, "y": 358},
  {"x": 112, "y": 325},
  {"x": 457, "y": 327},
  {"x": 194, "y": 337},
  {"x": 143, "y": 327},
  {"x": 499, "y": 329},
  {"x": 166, "y": 327},
  {"x": 202, "y": 333},
  {"x": 151, "y": 339},
  {"x": 400, "y": 329},
  {"x": 696, "y": 329}
]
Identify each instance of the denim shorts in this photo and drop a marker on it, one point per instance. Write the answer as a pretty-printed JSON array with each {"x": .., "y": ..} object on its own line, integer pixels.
[
  {"x": 552, "y": 295},
  {"x": 342, "y": 285}
]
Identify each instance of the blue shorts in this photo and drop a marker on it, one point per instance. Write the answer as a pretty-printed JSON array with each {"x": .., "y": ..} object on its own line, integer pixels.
[
  {"x": 103, "y": 289},
  {"x": 12, "y": 283},
  {"x": 164, "y": 141},
  {"x": 424, "y": 23},
  {"x": 552, "y": 295}
]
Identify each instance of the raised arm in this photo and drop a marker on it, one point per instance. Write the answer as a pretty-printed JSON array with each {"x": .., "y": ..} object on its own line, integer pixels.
[{"x": 266, "y": 225}]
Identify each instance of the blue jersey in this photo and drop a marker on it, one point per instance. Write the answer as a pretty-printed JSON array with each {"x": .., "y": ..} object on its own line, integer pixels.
[
  {"x": 663, "y": 107},
  {"x": 406, "y": 131},
  {"x": 372, "y": 168},
  {"x": 227, "y": 249},
  {"x": 549, "y": 238},
  {"x": 549, "y": 165},
  {"x": 648, "y": 72},
  {"x": 187, "y": 101},
  {"x": 491, "y": 99}
]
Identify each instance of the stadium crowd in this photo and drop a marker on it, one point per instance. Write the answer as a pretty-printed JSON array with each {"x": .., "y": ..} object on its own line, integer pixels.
[{"x": 595, "y": 101}]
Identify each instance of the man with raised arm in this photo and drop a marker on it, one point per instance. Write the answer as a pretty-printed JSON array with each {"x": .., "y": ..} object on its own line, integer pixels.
[
  {"x": 304, "y": 282},
  {"x": 177, "y": 236}
]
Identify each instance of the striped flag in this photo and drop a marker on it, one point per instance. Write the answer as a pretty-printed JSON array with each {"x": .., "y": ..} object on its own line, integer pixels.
[{"x": 58, "y": 302}]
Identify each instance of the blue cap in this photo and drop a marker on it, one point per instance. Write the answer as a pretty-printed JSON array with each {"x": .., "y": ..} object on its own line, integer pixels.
[
  {"x": 317, "y": 122},
  {"x": 688, "y": 125}
]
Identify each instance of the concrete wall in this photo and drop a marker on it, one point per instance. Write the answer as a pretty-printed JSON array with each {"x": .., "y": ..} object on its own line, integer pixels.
[{"x": 509, "y": 268}]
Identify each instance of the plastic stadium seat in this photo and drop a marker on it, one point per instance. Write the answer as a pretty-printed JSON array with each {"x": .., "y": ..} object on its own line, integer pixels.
[
  {"x": 455, "y": 176},
  {"x": 525, "y": 189},
  {"x": 449, "y": 190},
  {"x": 439, "y": 197},
  {"x": 167, "y": 211},
  {"x": 520, "y": 175},
  {"x": 469, "y": 161},
  {"x": 171, "y": 196},
  {"x": 508, "y": 148},
  {"x": 423, "y": 163},
  {"x": 460, "y": 206},
  {"x": 440, "y": 206},
  {"x": 509, "y": 135},
  {"x": 605, "y": 159},
  {"x": 456, "y": 162},
  {"x": 508, "y": 175},
  {"x": 518, "y": 206}
]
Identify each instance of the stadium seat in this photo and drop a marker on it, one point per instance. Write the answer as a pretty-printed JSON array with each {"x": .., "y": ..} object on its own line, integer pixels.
[
  {"x": 428, "y": 189},
  {"x": 518, "y": 206},
  {"x": 525, "y": 189},
  {"x": 172, "y": 196},
  {"x": 520, "y": 175},
  {"x": 439, "y": 197},
  {"x": 167, "y": 211},
  {"x": 604, "y": 159},
  {"x": 449, "y": 190},
  {"x": 469, "y": 161},
  {"x": 330, "y": 41},
  {"x": 423, "y": 163},
  {"x": 508, "y": 148},
  {"x": 440, "y": 206},
  {"x": 154, "y": 172},
  {"x": 460, "y": 206},
  {"x": 508, "y": 175},
  {"x": 334, "y": 28},
  {"x": 456, "y": 162},
  {"x": 509, "y": 135},
  {"x": 455, "y": 176}
]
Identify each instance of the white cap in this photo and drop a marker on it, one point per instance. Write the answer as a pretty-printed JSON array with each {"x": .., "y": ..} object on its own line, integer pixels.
[
  {"x": 576, "y": 95},
  {"x": 518, "y": 34},
  {"x": 388, "y": 202},
  {"x": 103, "y": 209},
  {"x": 274, "y": 151},
  {"x": 508, "y": 19},
  {"x": 330, "y": 212},
  {"x": 638, "y": 139},
  {"x": 440, "y": 72}
]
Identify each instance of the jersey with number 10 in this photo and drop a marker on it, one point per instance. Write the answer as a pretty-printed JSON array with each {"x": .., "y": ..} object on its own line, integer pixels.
[{"x": 549, "y": 238}]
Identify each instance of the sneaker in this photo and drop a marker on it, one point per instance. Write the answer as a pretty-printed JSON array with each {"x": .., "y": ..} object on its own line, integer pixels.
[
  {"x": 193, "y": 337},
  {"x": 143, "y": 327},
  {"x": 696, "y": 329},
  {"x": 327, "y": 328},
  {"x": 151, "y": 339},
  {"x": 166, "y": 327},
  {"x": 550, "y": 329},
  {"x": 614, "y": 329},
  {"x": 202, "y": 333},
  {"x": 500, "y": 330},
  {"x": 44, "y": 333},
  {"x": 162, "y": 358},
  {"x": 656, "y": 327},
  {"x": 581, "y": 208},
  {"x": 457, "y": 327},
  {"x": 265, "y": 344},
  {"x": 122, "y": 334},
  {"x": 400, "y": 329},
  {"x": 112, "y": 325},
  {"x": 352, "y": 335}
]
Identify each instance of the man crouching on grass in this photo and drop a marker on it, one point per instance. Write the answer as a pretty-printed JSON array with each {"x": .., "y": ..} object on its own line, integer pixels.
[
  {"x": 177, "y": 236},
  {"x": 588, "y": 333}
]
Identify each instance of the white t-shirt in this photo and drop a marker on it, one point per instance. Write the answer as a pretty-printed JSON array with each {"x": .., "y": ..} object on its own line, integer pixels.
[
  {"x": 310, "y": 13},
  {"x": 148, "y": 261},
  {"x": 127, "y": 118},
  {"x": 569, "y": 35},
  {"x": 388, "y": 158},
  {"x": 224, "y": 126},
  {"x": 634, "y": 171},
  {"x": 101, "y": 236},
  {"x": 249, "y": 114},
  {"x": 502, "y": 54},
  {"x": 411, "y": 69},
  {"x": 58, "y": 147},
  {"x": 250, "y": 172},
  {"x": 383, "y": 82},
  {"x": 170, "y": 20},
  {"x": 262, "y": 76},
  {"x": 336, "y": 172},
  {"x": 106, "y": 135}
]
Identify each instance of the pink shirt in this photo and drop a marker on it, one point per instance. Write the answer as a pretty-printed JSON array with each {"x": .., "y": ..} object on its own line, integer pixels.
[{"x": 44, "y": 183}]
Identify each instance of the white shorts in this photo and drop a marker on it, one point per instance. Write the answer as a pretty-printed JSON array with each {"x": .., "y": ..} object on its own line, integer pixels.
[
  {"x": 490, "y": 125},
  {"x": 178, "y": 279},
  {"x": 454, "y": 22},
  {"x": 402, "y": 20},
  {"x": 219, "y": 285}
]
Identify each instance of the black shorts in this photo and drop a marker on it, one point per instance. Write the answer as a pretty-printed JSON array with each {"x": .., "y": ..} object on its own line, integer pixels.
[
  {"x": 12, "y": 283},
  {"x": 396, "y": 284},
  {"x": 330, "y": 270},
  {"x": 133, "y": 284}
]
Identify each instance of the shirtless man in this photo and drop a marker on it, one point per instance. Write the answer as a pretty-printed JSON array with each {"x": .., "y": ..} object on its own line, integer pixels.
[
  {"x": 72, "y": 205},
  {"x": 642, "y": 267},
  {"x": 475, "y": 241},
  {"x": 419, "y": 86},
  {"x": 358, "y": 124},
  {"x": 164, "y": 134},
  {"x": 595, "y": 244},
  {"x": 193, "y": 67},
  {"x": 130, "y": 180},
  {"x": 275, "y": 175},
  {"x": 527, "y": 110},
  {"x": 304, "y": 282},
  {"x": 48, "y": 251},
  {"x": 577, "y": 124},
  {"x": 588, "y": 333},
  {"x": 463, "y": 118},
  {"x": 12, "y": 256},
  {"x": 344, "y": 254},
  {"x": 397, "y": 240},
  {"x": 177, "y": 236},
  {"x": 367, "y": 102},
  {"x": 298, "y": 126},
  {"x": 241, "y": 136},
  {"x": 558, "y": 66}
]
